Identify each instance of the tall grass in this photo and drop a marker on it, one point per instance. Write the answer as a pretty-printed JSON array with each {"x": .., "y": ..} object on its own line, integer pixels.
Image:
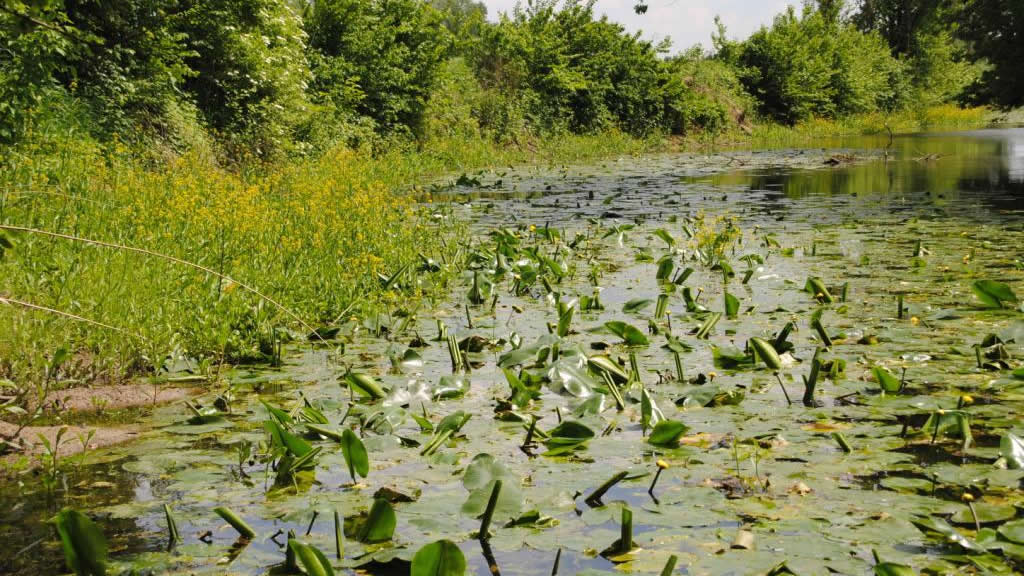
[{"x": 312, "y": 235}]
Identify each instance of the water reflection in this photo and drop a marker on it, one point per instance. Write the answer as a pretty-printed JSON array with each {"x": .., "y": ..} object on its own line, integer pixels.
[{"x": 984, "y": 166}]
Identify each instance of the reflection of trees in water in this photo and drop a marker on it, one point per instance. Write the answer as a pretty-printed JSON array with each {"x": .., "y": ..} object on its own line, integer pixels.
[
  {"x": 985, "y": 169},
  {"x": 31, "y": 545}
]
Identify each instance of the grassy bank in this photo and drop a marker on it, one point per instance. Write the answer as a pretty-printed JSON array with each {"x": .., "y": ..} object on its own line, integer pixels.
[
  {"x": 943, "y": 117},
  {"x": 188, "y": 243}
]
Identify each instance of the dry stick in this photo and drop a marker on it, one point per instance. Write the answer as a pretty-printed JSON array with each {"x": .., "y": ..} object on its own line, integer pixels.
[{"x": 169, "y": 258}]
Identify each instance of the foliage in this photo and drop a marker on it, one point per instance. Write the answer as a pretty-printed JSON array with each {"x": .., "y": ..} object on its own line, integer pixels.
[
  {"x": 249, "y": 71},
  {"x": 994, "y": 30},
  {"x": 376, "y": 59},
  {"x": 809, "y": 65},
  {"x": 566, "y": 70}
]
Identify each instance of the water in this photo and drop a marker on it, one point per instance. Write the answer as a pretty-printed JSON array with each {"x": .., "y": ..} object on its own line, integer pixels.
[{"x": 961, "y": 195}]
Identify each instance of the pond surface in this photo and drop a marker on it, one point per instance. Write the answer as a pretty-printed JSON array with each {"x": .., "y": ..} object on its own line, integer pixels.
[{"x": 916, "y": 221}]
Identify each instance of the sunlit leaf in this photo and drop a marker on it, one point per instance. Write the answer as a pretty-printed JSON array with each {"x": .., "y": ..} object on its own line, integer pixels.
[{"x": 441, "y": 558}]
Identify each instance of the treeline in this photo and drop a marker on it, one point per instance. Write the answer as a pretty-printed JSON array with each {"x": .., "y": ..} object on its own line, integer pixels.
[{"x": 270, "y": 77}]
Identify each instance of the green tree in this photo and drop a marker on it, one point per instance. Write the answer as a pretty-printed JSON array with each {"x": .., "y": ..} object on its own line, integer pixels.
[
  {"x": 814, "y": 64},
  {"x": 376, "y": 59},
  {"x": 249, "y": 69},
  {"x": 923, "y": 34},
  {"x": 995, "y": 31}
]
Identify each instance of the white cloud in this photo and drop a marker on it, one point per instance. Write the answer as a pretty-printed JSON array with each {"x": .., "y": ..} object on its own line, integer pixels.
[{"x": 686, "y": 22}]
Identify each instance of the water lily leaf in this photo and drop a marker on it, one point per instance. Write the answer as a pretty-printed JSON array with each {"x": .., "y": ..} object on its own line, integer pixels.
[
  {"x": 630, "y": 334},
  {"x": 566, "y": 377},
  {"x": 987, "y": 513},
  {"x": 732, "y": 305},
  {"x": 766, "y": 352},
  {"x": 892, "y": 569},
  {"x": 818, "y": 290},
  {"x": 281, "y": 437},
  {"x": 731, "y": 358},
  {"x": 931, "y": 524},
  {"x": 451, "y": 386},
  {"x": 886, "y": 380},
  {"x": 355, "y": 454},
  {"x": 592, "y": 405},
  {"x": 650, "y": 414},
  {"x": 606, "y": 365},
  {"x": 636, "y": 305},
  {"x": 569, "y": 431},
  {"x": 441, "y": 558},
  {"x": 993, "y": 294},
  {"x": 479, "y": 479},
  {"x": 365, "y": 385},
  {"x": 666, "y": 236},
  {"x": 85, "y": 548},
  {"x": 380, "y": 523},
  {"x": 1013, "y": 531},
  {"x": 667, "y": 433},
  {"x": 1011, "y": 447},
  {"x": 312, "y": 559}
]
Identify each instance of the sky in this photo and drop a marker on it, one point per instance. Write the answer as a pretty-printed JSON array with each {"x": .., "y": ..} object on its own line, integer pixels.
[{"x": 686, "y": 22}]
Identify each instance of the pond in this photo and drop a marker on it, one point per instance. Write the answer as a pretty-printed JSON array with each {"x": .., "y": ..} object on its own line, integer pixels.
[{"x": 615, "y": 299}]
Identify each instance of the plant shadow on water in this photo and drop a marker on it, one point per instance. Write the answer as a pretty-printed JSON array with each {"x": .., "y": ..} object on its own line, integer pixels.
[{"x": 604, "y": 313}]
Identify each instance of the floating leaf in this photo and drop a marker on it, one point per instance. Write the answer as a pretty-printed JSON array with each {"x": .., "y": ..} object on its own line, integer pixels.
[
  {"x": 441, "y": 558},
  {"x": 986, "y": 513},
  {"x": 312, "y": 559},
  {"x": 1011, "y": 447},
  {"x": 667, "y": 433},
  {"x": 951, "y": 535},
  {"x": 355, "y": 454},
  {"x": 636, "y": 305},
  {"x": 1013, "y": 531},
  {"x": 732, "y": 305},
  {"x": 570, "y": 430},
  {"x": 766, "y": 352},
  {"x": 451, "y": 386},
  {"x": 479, "y": 479},
  {"x": 993, "y": 294},
  {"x": 650, "y": 414},
  {"x": 886, "y": 380},
  {"x": 380, "y": 523},
  {"x": 85, "y": 548},
  {"x": 818, "y": 289},
  {"x": 365, "y": 385},
  {"x": 630, "y": 334},
  {"x": 891, "y": 569}
]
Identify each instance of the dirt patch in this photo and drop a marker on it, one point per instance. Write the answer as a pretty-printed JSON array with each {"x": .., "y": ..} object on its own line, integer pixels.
[
  {"x": 97, "y": 399},
  {"x": 71, "y": 442},
  {"x": 112, "y": 397}
]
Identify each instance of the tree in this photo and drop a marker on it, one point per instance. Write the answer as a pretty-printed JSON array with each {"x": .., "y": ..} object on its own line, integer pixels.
[
  {"x": 377, "y": 59},
  {"x": 995, "y": 31}
]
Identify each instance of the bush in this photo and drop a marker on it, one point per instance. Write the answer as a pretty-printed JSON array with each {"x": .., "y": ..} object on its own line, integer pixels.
[{"x": 711, "y": 97}]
